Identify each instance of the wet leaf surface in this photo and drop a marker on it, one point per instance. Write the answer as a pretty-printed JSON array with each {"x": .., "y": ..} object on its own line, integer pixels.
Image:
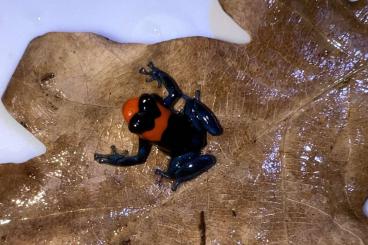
[{"x": 292, "y": 163}]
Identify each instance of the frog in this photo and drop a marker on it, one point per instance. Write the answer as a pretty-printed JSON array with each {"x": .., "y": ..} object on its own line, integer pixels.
[{"x": 179, "y": 133}]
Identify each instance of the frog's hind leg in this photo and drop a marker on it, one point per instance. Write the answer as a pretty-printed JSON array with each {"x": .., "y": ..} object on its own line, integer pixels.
[
  {"x": 187, "y": 167},
  {"x": 201, "y": 116}
]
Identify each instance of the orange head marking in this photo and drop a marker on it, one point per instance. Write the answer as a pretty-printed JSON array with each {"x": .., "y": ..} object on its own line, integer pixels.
[
  {"x": 161, "y": 123},
  {"x": 130, "y": 108}
]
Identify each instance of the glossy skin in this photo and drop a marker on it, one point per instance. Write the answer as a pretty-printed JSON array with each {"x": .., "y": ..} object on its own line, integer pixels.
[{"x": 181, "y": 135}]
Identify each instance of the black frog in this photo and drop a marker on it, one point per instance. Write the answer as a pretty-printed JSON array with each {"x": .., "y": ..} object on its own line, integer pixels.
[{"x": 180, "y": 134}]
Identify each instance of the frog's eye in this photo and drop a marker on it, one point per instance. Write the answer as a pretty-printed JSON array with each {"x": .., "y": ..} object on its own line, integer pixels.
[
  {"x": 148, "y": 104},
  {"x": 141, "y": 122},
  {"x": 130, "y": 108}
]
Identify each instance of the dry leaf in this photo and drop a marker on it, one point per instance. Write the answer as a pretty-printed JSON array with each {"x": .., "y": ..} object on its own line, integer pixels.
[{"x": 292, "y": 163}]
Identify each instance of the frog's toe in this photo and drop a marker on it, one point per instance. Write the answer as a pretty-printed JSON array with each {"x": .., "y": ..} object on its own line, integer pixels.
[
  {"x": 162, "y": 173},
  {"x": 101, "y": 158},
  {"x": 151, "y": 65},
  {"x": 144, "y": 71}
]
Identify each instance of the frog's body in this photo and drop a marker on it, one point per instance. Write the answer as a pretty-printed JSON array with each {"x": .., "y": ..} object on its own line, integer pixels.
[{"x": 181, "y": 135}]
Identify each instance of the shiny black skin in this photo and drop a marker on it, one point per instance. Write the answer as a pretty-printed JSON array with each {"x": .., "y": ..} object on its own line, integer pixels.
[
  {"x": 144, "y": 120},
  {"x": 184, "y": 137}
]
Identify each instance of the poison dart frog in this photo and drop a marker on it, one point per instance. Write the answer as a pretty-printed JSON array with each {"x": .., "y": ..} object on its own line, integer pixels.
[{"x": 180, "y": 134}]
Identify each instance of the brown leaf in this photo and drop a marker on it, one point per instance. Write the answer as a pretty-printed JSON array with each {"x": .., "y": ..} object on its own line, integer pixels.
[{"x": 292, "y": 162}]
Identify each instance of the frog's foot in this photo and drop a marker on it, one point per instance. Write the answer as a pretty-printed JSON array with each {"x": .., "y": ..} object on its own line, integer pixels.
[
  {"x": 189, "y": 166},
  {"x": 110, "y": 158},
  {"x": 153, "y": 73}
]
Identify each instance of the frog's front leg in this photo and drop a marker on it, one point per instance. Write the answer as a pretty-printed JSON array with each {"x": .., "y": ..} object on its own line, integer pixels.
[
  {"x": 118, "y": 159},
  {"x": 174, "y": 92},
  {"x": 187, "y": 167}
]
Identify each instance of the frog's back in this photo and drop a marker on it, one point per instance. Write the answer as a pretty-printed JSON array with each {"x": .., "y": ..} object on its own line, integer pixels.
[{"x": 180, "y": 137}]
